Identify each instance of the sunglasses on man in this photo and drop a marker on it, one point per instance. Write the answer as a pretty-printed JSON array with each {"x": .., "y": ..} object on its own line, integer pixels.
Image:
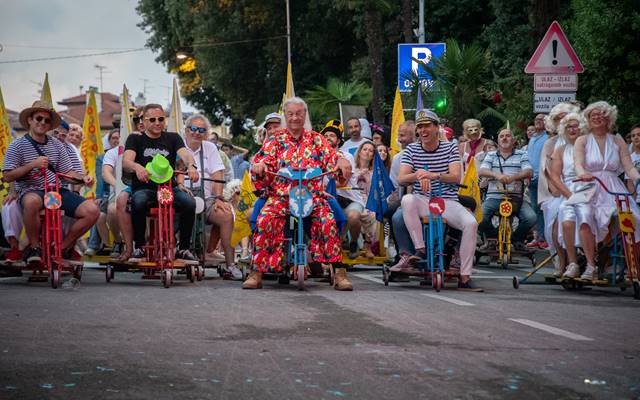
[
  {"x": 42, "y": 119},
  {"x": 195, "y": 129},
  {"x": 154, "y": 119}
]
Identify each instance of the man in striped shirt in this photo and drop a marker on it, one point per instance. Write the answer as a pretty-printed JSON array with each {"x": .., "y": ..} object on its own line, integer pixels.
[
  {"x": 433, "y": 167},
  {"x": 26, "y": 158},
  {"x": 508, "y": 168}
]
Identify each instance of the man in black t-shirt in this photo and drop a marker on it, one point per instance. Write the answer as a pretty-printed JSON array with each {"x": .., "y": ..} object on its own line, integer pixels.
[{"x": 140, "y": 150}]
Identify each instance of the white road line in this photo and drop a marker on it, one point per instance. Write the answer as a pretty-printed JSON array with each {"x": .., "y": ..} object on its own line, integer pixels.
[
  {"x": 482, "y": 271},
  {"x": 448, "y": 299},
  {"x": 551, "y": 329},
  {"x": 370, "y": 278}
]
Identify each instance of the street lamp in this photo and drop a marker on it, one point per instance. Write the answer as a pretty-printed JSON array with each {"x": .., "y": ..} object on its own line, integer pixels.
[{"x": 181, "y": 55}]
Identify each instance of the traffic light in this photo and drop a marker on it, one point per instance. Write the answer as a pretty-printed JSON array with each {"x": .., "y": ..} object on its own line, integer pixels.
[{"x": 441, "y": 104}]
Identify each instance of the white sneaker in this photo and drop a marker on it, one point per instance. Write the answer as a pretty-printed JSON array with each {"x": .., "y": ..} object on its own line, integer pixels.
[
  {"x": 573, "y": 271},
  {"x": 235, "y": 272},
  {"x": 589, "y": 273},
  {"x": 214, "y": 256}
]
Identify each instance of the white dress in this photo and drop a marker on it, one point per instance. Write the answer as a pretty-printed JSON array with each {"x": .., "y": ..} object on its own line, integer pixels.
[
  {"x": 566, "y": 211},
  {"x": 551, "y": 205},
  {"x": 598, "y": 211}
]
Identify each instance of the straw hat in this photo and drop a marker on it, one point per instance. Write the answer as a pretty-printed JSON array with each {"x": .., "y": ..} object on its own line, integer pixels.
[{"x": 39, "y": 105}]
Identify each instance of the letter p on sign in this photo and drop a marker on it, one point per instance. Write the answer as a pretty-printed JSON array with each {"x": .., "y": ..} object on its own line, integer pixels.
[{"x": 419, "y": 53}]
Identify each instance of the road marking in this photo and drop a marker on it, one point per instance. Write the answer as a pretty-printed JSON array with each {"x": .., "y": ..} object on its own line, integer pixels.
[
  {"x": 448, "y": 299},
  {"x": 374, "y": 279},
  {"x": 551, "y": 329},
  {"x": 482, "y": 271}
]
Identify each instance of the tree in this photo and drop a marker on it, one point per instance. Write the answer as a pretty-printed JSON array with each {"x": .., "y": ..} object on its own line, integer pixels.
[
  {"x": 325, "y": 99},
  {"x": 605, "y": 34}
]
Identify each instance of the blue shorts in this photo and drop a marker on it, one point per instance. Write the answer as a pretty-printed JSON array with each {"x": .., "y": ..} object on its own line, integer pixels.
[{"x": 70, "y": 201}]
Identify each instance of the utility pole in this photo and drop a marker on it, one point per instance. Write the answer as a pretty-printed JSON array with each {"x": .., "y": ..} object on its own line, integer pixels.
[
  {"x": 101, "y": 69},
  {"x": 421, "y": 22},
  {"x": 144, "y": 86},
  {"x": 289, "y": 34}
]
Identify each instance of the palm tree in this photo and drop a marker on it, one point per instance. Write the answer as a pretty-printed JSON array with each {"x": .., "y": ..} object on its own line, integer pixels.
[{"x": 324, "y": 99}]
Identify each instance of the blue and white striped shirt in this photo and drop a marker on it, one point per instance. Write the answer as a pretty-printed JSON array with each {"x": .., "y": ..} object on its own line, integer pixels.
[{"x": 437, "y": 161}]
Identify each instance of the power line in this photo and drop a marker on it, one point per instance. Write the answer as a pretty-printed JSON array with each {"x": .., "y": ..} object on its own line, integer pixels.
[
  {"x": 27, "y": 46},
  {"x": 75, "y": 56},
  {"x": 215, "y": 44}
]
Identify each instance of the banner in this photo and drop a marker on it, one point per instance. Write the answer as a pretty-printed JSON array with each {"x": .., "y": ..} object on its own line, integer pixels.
[
  {"x": 472, "y": 187},
  {"x": 125, "y": 131},
  {"x": 241, "y": 227},
  {"x": 45, "y": 95},
  {"x": 5, "y": 139},
  {"x": 91, "y": 146},
  {"x": 175, "y": 123},
  {"x": 397, "y": 119},
  {"x": 381, "y": 188}
]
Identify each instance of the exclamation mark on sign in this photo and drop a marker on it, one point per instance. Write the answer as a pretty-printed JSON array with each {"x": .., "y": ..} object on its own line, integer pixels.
[{"x": 554, "y": 46}]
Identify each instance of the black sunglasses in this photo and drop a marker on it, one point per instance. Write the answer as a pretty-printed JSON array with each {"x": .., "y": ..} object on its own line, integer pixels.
[
  {"x": 40, "y": 118},
  {"x": 154, "y": 119}
]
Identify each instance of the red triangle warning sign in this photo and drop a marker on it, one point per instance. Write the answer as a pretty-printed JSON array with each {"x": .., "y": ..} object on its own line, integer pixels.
[{"x": 554, "y": 54}]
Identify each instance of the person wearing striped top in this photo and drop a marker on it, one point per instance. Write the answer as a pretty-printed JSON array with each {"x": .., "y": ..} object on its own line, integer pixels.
[
  {"x": 508, "y": 167},
  {"x": 25, "y": 159},
  {"x": 433, "y": 167}
]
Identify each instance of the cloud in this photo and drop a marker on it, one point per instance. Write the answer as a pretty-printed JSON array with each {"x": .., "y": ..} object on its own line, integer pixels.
[{"x": 89, "y": 26}]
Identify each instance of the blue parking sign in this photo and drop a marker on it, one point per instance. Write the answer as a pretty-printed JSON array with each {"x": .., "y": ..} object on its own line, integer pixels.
[{"x": 420, "y": 51}]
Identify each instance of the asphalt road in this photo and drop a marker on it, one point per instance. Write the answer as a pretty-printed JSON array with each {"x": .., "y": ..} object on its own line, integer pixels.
[{"x": 133, "y": 339}]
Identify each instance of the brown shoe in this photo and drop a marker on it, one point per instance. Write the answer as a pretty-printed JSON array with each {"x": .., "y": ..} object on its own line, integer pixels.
[
  {"x": 366, "y": 250},
  {"x": 254, "y": 281},
  {"x": 341, "y": 280}
]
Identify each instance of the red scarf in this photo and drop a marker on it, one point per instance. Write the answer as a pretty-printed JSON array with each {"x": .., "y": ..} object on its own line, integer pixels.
[{"x": 473, "y": 147}]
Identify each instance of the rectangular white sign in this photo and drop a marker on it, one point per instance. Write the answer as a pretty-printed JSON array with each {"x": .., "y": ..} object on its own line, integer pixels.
[
  {"x": 544, "y": 102},
  {"x": 555, "y": 83}
]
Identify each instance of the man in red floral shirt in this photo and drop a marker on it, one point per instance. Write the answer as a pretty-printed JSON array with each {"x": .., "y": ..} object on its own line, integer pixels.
[{"x": 299, "y": 148}]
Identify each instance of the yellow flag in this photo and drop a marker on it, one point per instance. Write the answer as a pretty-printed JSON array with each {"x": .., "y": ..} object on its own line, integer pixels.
[
  {"x": 91, "y": 146},
  {"x": 397, "y": 118},
  {"x": 241, "y": 227},
  {"x": 46, "y": 91},
  {"x": 289, "y": 93},
  {"x": 5, "y": 139},
  {"x": 472, "y": 187}
]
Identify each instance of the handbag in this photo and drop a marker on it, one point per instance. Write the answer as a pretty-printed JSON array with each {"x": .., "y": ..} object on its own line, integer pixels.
[{"x": 582, "y": 194}]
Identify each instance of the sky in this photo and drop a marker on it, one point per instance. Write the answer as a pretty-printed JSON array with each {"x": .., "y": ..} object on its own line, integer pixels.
[{"x": 73, "y": 28}]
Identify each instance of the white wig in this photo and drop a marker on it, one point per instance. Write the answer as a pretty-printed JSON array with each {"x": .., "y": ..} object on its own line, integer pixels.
[
  {"x": 550, "y": 123},
  {"x": 608, "y": 111},
  {"x": 230, "y": 188},
  {"x": 573, "y": 116}
]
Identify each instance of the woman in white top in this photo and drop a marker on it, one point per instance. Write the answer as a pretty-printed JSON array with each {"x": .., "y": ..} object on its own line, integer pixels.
[
  {"x": 562, "y": 174},
  {"x": 549, "y": 197},
  {"x": 364, "y": 171},
  {"x": 634, "y": 149},
  {"x": 601, "y": 154}
]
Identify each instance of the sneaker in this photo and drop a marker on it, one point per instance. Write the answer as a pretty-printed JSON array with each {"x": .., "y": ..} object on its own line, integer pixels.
[
  {"x": 404, "y": 265},
  {"x": 71, "y": 256},
  {"x": 489, "y": 245},
  {"x": 14, "y": 255},
  {"x": 573, "y": 271},
  {"x": 236, "y": 273},
  {"x": 469, "y": 286},
  {"x": 33, "y": 255},
  {"x": 214, "y": 256},
  {"x": 186, "y": 256},
  {"x": 117, "y": 250},
  {"x": 90, "y": 252},
  {"x": 353, "y": 250},
  {"x": 590, "y": 273},
  {"x": 533, "y": 244},
  {"x": 138, "y": 255}
]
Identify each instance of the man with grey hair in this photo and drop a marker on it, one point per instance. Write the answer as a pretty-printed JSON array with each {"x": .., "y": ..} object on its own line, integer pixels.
[{"x": 297, "y": 148}]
